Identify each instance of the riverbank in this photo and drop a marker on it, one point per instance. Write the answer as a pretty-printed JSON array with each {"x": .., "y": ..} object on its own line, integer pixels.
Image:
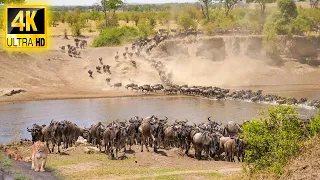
[{"x": 75, "y": 163}]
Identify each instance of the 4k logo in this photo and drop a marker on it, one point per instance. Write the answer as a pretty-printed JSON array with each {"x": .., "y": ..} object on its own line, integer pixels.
[{"x": 26, "y": 27}]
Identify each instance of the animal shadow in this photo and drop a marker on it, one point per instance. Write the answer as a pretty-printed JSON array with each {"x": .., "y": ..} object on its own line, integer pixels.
[
  {"x": 162, "y": 153},
  {"x": 130, "y": 152},
  {"x": 63, "y": 154}
]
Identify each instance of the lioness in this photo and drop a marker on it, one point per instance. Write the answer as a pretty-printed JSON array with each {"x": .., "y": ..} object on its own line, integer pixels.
[{"x": 39, "y": 150}]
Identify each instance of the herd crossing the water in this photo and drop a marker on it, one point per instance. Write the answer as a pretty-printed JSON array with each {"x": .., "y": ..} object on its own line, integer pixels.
[{"x": 212, "y": 139}]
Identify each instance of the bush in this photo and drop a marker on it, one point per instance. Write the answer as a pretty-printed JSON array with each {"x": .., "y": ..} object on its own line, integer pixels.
[
  {"x": 273, "y": 140},
  {"x": 76, "y": 28},
  {"x": 314, "y": 126},
  {"x": 116, "y": 36},
  {"x": 145, "y": 28},
  {"x": 288, "y": 9},
  {"x": 185, "y": 22}
]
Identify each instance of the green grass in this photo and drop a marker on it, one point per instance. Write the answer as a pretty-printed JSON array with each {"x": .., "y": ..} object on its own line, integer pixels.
[
  {"x": 21, "y": 177},
  {"x": 5, "y": 161},
  {"x": 116, "y": 36}
]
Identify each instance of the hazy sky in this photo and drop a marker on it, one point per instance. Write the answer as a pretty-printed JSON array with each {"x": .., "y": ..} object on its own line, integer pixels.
[{"x": 90, "y": 2}]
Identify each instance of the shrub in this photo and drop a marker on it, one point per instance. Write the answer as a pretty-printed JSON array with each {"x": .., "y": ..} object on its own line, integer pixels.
[
  {"x": 145, "y": 28},
  {"x": 185, "y": 22},
  {"x": 76, "y": 28},
  {"x": 288, "y": 9},
  {"x": 274, "y": 139},
  {"x": 116, "y": 36},
  {"x": 314, "y": 126}
]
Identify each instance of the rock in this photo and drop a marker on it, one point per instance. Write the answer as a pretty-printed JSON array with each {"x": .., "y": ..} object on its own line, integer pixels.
[
  {"x": 81, "y": 140},
  {"x": 86, "y": 150},
  {"x": 27, "y": 159},
  {"x": 91, "y": 150}
]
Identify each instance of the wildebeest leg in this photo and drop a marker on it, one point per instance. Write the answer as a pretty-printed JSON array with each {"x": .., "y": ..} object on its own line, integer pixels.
[
  {"x": 53, "y": 144},
  {"x": 48, "y": 146},
  {"x": 142, "y": 142},
  {"x": 105, "y": 149}
]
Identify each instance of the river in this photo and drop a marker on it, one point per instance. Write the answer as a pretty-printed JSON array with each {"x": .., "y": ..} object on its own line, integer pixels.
[{"x": 16, "y": 117}]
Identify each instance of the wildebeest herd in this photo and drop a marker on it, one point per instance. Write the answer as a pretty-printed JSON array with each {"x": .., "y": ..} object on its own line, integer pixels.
[
  {"x": 72, "y": 50},
  {"x": 210, "y": 138},
  {"x": 222, "y": 94},
  {"x": 147, "y": 45}
]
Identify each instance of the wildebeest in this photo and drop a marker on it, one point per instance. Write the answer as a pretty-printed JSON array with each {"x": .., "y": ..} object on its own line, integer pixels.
[
  {"x": 231, "y": 146},
  {"x": 133, "y": 130},
  {"x": 117, "y": 85},
  {"x": 83, "y": 43},
  {"x": 36, "y": 133},
  {"x": 90, "y": 73},
  {"x": 150, "y": 128},
  {"x": 106, "y": 68},
  {"x": 232, "y": 129}
]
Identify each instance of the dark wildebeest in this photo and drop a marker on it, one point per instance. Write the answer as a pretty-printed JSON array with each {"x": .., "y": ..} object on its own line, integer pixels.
[
  {"x": 117, "y": 85},
  {"x": 150, "y": 128},
  {"x": 133, "y": 130},
  {"x": 36, "y": 133}
]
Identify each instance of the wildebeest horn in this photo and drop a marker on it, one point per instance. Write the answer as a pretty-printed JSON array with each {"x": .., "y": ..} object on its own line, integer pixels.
[
  {"x": 175, "y": 121},
  {"x": 209, "y": 118},
  {"x": 220, "y": 123},
  {"x": 166, "y": 117}
]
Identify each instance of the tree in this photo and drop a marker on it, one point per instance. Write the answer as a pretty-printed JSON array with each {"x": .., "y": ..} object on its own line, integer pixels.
[
  {"x": 288, "y": 9},
  {"x": 53, "y": 18},
  {"x": 262, "y": 4},
  {"x": 205, "y": 11},
  {"x": 110, "y": 6},
  {"x": 229, "y": 5}
]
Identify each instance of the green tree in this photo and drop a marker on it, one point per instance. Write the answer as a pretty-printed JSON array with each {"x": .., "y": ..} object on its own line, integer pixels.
[
  {"x": 110, "y": 6},
  {"x": 288, "y": 9},
  {"x": 54, "y": 17}
]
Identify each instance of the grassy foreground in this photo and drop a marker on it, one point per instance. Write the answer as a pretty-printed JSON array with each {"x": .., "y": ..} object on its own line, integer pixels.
[{"x": 167, "y": 164}]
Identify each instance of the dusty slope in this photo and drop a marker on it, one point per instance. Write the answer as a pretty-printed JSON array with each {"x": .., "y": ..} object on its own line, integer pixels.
[
  {"x": 55, "y": 75},
  {"x": 307, "y": 164}
]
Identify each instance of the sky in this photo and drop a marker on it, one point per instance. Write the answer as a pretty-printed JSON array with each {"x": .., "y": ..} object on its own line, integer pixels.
[{"x": 90, "y": 2}]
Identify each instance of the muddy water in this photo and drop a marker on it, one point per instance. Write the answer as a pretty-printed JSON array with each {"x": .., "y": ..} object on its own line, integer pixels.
[{"x": 14, "y": 118}]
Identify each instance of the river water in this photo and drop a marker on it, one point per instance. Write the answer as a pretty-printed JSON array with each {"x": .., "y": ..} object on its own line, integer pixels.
[{"x": 15, "y": 118}]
